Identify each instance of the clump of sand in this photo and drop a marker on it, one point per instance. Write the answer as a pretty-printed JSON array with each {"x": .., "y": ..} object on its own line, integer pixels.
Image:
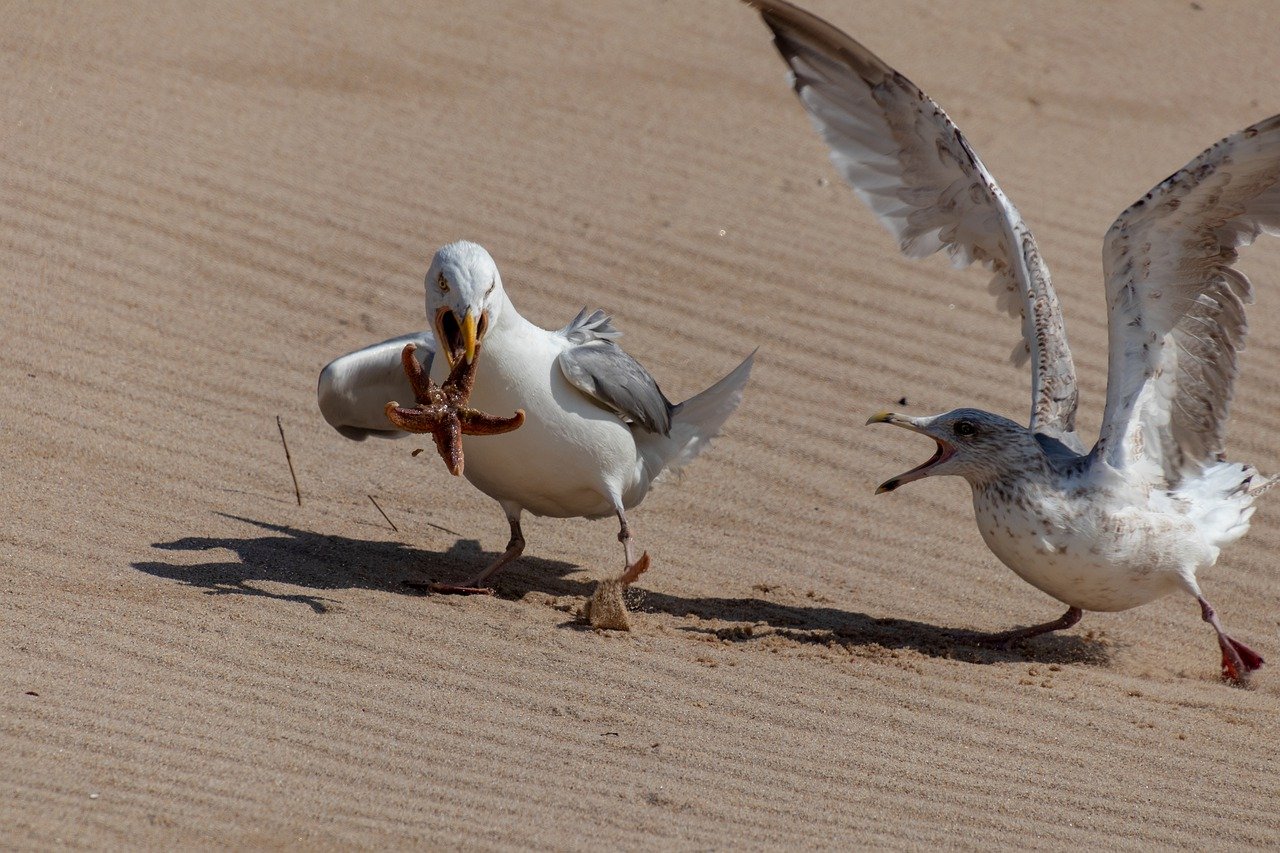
[{"x": 606, "y": 609}]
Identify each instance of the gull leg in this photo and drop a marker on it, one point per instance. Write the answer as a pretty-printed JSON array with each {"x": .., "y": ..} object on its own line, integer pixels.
[
  {"x": 1238, "y": 660},
  {"x": 476, "y": 585},
  {"x": 634, "y": 568},
  {"x": 607, "y": 609},
  {"x": 1004, "y": 638}
]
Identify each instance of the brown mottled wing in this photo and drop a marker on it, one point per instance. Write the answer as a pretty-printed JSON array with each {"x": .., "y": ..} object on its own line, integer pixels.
[
  {"x": 914, "y": 169},
  {"x": 1177, "y": 304}
]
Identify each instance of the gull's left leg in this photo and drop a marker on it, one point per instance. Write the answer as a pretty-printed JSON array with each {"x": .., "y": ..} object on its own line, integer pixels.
[
  {"x": 1238, "y": 660},
  {"x": 635, "y": 567}
]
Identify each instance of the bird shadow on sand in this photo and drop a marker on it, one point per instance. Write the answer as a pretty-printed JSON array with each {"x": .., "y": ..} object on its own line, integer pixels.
[
  {"x": 283, "y": 554},
  {"x": 320, "y": 561},
  {"x": 764, "y": 622}
]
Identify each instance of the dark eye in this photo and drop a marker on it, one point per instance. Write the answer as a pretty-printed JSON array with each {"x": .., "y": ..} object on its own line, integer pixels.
[
  {"x": 965, "y": 428},
  {"x": 442, "y": 283}
]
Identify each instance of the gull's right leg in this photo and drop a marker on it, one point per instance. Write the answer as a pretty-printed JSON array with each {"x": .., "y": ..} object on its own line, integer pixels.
[
  {"x": 477, "y": 585},
  {"x": 1004, "y": 638}
]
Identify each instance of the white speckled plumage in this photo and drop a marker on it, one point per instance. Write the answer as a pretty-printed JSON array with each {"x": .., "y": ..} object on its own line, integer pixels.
[{"x": 1154, "y": 501}]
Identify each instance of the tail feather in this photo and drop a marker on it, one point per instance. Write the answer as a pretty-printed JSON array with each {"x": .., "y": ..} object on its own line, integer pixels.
[
  {"x": 696, "y": 421},
  {"x": 1222, "y": 500}
]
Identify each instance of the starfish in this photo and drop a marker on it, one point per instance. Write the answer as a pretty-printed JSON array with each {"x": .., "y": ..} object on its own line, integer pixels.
[{"x": 442, "y": 410}]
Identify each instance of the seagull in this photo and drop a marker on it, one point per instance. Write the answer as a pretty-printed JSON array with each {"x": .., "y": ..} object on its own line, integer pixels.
[
  {"x": 598, "y": 431},
  {"x": 1154, "y": 501}
]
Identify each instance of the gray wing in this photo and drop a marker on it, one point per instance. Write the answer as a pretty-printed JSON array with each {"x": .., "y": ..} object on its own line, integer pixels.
[
  {"x": 354, "y": 389},
  {"x": 1177, "y": 304},
  {"x": 600, "y": 368},
  {"x": 910, "y": 164}
]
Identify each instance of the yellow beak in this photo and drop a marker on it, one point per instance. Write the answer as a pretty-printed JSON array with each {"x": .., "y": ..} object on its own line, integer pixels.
[{"x": 469, "y": 336}]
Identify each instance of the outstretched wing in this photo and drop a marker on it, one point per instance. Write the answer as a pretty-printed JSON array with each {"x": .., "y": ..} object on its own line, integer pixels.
[
  {"x": 1177, "y": 304},
  {"x": 914, "y": 169},
  {"x": 600, "y": 368},
  {"x": 354, "y": 389}
]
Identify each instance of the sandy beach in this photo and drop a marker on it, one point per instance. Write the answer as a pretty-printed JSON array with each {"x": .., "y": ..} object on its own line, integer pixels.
[{"x": 202, "y": 204}]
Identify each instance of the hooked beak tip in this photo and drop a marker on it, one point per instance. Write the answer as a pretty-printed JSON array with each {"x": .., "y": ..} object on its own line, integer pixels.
[
  {"x": 887, "y": 486},
  {"x": 880, "y": 418}
]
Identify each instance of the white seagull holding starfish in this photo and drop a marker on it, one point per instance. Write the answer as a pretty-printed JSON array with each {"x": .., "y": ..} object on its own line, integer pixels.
[
  {"x": 597, "y": 434},
  {"x": 1155, "y": 500}
]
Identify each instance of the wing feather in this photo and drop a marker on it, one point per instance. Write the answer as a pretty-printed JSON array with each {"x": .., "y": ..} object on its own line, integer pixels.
[
  {"x": 354, "y": 389},
  {"x": 1177, "y": 304},
  {"x": 909, "y": 163},
  {"x": 603, "y": 371}
]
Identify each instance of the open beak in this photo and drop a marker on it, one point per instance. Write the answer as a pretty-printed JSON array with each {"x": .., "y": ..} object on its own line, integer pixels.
[
  {"x": 461, "y": 338},
  {"x": 944, "y": 452},
  {"x": 469, "y": 336}
]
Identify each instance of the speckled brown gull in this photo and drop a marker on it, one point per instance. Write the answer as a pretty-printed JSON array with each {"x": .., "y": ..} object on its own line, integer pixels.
[{"x": 1155, "y": 500}]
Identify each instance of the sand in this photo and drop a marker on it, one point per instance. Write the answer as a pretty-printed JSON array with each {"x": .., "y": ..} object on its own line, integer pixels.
[{"x": 201, "y": 204}]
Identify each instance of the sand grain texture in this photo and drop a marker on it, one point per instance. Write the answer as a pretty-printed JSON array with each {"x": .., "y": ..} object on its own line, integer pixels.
[{"x": 200, "y": 204}]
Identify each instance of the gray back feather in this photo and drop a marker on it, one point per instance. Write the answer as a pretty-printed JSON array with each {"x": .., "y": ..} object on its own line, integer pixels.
[{"x": 600, "y": 368}]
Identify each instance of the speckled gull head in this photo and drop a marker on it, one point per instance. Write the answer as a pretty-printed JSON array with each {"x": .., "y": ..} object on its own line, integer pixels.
[
  {"x": 464, "y": 298},
  {"x": 973, "y": 444}
]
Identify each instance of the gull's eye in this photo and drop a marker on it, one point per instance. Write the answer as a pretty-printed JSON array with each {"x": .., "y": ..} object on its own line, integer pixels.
[
  {"x": 965, "y": 428},
  {"x": 442, "y": 283}
]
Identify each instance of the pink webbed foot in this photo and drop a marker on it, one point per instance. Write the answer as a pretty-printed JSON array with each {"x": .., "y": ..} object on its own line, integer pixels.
[
  {"x": 477, "y": 584},
  {"x": 450, "y": 588},
  {"x": 1006, "y": 639},
  {"x": 1238, "y": 660}
]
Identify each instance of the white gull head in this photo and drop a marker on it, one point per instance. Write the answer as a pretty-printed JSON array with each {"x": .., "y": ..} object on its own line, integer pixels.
[{"x": 464, "y": 298}]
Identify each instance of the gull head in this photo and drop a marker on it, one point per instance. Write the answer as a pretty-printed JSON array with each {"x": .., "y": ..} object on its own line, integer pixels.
[
  {"x": 973, "y": 444},
  {"x": 464, "y": 298}
]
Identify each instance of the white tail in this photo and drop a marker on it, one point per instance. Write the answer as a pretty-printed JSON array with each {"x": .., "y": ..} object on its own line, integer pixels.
[
  {"x": 1222, "y": 500},
  {"x": 696, "y": 421}
]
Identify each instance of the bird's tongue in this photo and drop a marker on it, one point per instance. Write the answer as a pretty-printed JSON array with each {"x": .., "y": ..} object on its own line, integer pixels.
[{"x": 920, "y": 471}]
